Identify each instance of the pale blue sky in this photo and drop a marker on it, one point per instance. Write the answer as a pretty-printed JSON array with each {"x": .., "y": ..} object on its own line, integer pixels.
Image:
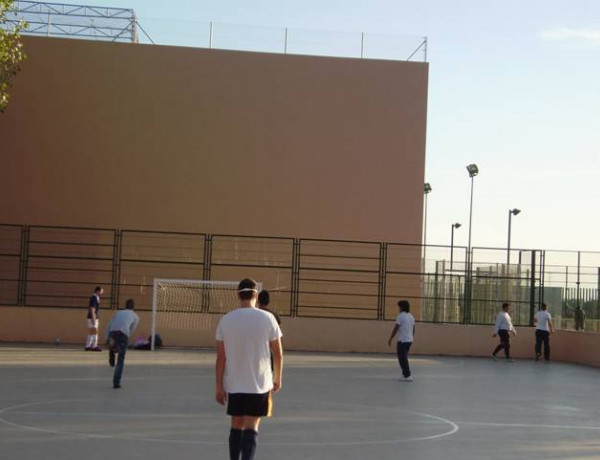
[{"x": 514, "y": 87}]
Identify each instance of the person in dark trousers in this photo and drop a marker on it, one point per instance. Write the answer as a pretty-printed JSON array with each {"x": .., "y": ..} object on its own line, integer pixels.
[
  {"x": 543, "y": 329},
  {"x": 405, "y": 328},
  {"x": 119, "y": 329},
  {"x": 93, "y": 321},
  {"x": 245, "y": 380},
  {"x": 264, "y": 299},
  {"x": 503, "y": 328}
]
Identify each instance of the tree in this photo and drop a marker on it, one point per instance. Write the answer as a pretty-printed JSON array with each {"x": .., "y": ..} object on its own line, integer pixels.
[{"x": 11, "y": 50}]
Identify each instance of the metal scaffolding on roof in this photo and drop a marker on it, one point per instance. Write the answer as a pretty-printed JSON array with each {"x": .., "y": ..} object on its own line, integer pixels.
[{"x": 77, "y": 21}]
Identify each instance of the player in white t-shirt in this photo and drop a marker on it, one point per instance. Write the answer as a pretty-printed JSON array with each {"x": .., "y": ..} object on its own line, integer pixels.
[
  {"x": 502, "y": 329},
  {"x": 405, "y": 327},
  {"x": 246, "y": 337},
  {"x": 543, "y": 329}
]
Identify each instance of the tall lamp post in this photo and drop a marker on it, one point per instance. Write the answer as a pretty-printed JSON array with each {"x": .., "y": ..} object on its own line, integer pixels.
[
  {"x": 456, "y": 225},
  {"x": 427, "y": 189},
  {"x": 473, "y": 170},
  {"x": 511, "y": 212}
]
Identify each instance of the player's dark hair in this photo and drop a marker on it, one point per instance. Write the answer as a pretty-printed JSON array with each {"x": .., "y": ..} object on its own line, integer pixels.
[
  {"x": 404, "y": 305},
  {"x": 98, "y": 289},
  {"x": 544, "y": 306},
  {"x": 505, "y": 305},
  {"x": 129, "y": 304},
  {"x": 246, "y": 289},
  {"x": 264, "y": 298}
]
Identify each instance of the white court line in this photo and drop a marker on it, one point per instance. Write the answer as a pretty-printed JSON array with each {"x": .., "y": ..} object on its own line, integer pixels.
[
  {"x": 533, "y": 425},
  {"x": 453, "y": 429}
]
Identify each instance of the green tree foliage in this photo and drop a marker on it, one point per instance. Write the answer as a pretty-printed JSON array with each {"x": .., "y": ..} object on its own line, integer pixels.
[{"x": 11, "y": 49}]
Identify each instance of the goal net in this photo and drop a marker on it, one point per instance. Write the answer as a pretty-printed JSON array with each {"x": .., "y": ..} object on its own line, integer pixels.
[{"x": 179, "y": 304}]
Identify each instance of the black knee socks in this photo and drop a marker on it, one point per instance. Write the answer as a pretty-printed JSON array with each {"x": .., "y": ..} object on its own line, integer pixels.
[
  {"x": 235, "y": 444},
  {"x": 249, "y": 443}
]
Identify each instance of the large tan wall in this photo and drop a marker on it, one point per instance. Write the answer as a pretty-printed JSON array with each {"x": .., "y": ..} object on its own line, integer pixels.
[
  {"x": 165, "y": 138},
  {"x": 30, "y": 324}
]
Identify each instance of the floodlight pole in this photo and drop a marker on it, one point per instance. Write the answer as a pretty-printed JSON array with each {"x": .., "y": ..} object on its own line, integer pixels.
[
  {"x": 473, "y": 170},
  {"x": 427, "y": 189},
  {"x": 456, "y": 225},
  {"x": 511, "y": 212}
]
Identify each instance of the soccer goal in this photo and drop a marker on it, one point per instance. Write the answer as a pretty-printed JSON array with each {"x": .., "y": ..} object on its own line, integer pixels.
[{"x": 179, "y": 304}]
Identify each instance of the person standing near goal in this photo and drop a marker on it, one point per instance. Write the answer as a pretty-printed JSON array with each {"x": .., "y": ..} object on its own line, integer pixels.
[
  {"x": 503, "y": 328},
  {"x": 245, "y": 338},
  {"x": 405, "y": 328},
  {"x": 543, "y": 329},
  {"x": 93, "y": 321}
]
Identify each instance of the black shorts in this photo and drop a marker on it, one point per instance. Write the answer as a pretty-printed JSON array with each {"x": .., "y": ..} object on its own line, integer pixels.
[{"x": 253, "y": 405}]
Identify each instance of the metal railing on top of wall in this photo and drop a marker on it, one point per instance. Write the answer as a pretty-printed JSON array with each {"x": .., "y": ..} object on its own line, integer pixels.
[{"x": 59, "y": 266}]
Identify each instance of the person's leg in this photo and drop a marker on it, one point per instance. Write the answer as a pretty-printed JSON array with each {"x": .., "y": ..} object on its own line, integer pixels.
[
  {"x": 506, "y": 343},
  {"x": 121, "y": 340},
  {"x": 499, "y": 347},
  {"x": 235, "y": 437},
  {"x": 546, "y": 340},
  {"x": 250, "y": 437},
  {"x": 538, "y": 343},
  {"x": 407, "y": 346},
  {"x": 402, "y": 352}
]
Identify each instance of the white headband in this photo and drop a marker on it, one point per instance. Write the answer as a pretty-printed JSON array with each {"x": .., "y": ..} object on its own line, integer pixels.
[{"x": 247, "y": 290}]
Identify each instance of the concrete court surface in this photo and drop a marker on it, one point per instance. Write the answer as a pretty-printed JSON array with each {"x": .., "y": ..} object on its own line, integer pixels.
[{"x": 58, "y": 403}]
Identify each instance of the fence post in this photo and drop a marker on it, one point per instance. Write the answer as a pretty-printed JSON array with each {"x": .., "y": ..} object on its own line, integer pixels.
[
  {"x": 116, "y": 264},
  {"x": 295, "y": 282},
  {"x": 532, "y": 290},
  {"x": 381, "y": 281}
]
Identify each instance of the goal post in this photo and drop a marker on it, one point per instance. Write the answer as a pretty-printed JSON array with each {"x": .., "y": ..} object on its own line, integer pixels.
[{"x": 184, "y": 304}]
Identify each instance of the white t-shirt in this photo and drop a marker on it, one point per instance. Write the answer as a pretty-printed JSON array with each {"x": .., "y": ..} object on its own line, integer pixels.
[
  {"x": 542, "y": 318},
  {"x": 503, "y": 322},
  {"x": 406, "y": 325},
  {"x": 246, "y": 333}
]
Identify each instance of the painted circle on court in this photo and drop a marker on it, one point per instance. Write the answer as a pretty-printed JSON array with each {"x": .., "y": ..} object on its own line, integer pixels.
[{"x": 177, "y": 420}]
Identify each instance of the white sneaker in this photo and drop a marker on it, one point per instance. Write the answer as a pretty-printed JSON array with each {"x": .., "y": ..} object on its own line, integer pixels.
[
  {"x": 494, "y": 357},
  {"x": 406, "y": 379},
  {"x": 510, "y": 360}
]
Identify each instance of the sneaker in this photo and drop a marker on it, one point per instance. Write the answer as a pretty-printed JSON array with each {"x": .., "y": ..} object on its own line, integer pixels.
[
  {"x": 116, "y": 385},
  {"x": 88, "y": 348},
  {"x": 494, "y": 357},
  {"x": 510, "y": 360},
  {"x": 407, "y": 379},
  {"x": 537, "y": 356},
  {"x": 96, "y": 349},
  {"x": 111, "y": 358}
]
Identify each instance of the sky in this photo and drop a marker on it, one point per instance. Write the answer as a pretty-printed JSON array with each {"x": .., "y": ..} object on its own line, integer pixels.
[{"x": 513, "y": 87}]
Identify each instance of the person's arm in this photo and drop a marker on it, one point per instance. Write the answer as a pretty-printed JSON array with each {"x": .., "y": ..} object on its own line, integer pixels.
[
  {"x": 277, "y": 350},
  {"x": 512, "y": 328},
  {"x": 220, "y": 394},
  {"x": 497, "y": 325},
  {"x": 394, "y": 331},
  {"x": 550, "y": 326},
  {"x": 108, "y": 329},
  {"x": 134, "y": 324}
]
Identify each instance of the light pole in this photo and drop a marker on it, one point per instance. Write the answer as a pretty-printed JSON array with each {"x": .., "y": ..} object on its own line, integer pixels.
[
  {"x": 511, "y": 212},
  {"x": 456, "y": 225},
  {"x": 427, "y": 189},
  {"x": 473, "y": 170}
]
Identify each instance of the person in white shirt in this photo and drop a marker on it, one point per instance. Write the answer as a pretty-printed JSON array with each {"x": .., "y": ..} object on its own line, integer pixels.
[
  {"x": 119, "y": 329},
  {"x": 544, "y": 328},
  {"x": 502, "y": 329},
  {"x": 405, "y": 328},
  {"x": 246, "y": 337}
]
